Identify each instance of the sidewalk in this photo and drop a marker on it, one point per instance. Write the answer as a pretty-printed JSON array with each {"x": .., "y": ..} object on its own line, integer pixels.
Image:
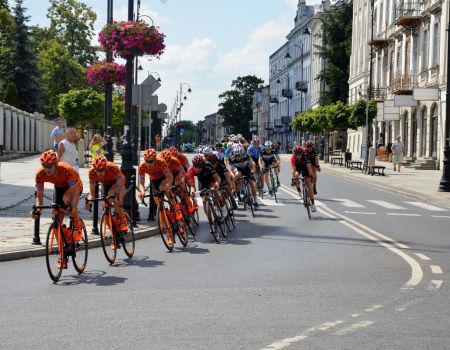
[
  {"x": 421, "y": 185},
  {"x": 17, "y": 197}
]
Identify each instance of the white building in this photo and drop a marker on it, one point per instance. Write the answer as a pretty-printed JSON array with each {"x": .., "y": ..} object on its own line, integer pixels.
[{"x": 409, "y": 51}]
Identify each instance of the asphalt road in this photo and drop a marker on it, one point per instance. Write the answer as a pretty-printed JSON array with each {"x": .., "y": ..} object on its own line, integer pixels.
[{"x": 363, "y": 274}]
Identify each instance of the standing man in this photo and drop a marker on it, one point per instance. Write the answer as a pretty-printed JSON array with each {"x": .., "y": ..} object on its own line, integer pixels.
[
  {"x": 397, "y": 153},
  {"x": 57, "y": 134},
  {"x": 67, "y": 150}
]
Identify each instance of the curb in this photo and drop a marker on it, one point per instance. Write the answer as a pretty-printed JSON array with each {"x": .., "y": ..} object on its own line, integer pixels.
[{"x": 93, "y": 242}]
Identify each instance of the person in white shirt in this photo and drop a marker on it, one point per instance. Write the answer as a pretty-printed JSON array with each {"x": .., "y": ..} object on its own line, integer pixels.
[
  {"x": 397, "y": 153},
  {"x": 67, "y": 150}
]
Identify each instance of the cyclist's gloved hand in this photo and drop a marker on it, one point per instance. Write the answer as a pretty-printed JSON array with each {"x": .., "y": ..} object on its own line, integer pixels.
[
  {"x": 87, "y": 205},
  {"x": 35, "y": 213},
  {"x": 141, "y": 194}
]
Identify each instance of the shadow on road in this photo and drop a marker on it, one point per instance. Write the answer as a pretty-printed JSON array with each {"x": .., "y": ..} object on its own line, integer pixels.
[
  {"x": 95, "y": 277},
  {"x": 140, "y": 261}
]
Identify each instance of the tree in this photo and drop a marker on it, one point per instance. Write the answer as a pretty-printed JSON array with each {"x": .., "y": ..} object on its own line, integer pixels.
[
  {"x": 118, "y": 112},
  {"x": 83, "y": 107},
  {"x": 336, "y": 51},
  {"x": 74, "y": 23},
  {"x": 236, "y": 105},
  {"x": 10, "y": 95},
  {"x": 6, "y": 42},
  {"x": 23, "y": 64},
  {"x": 358, "y": 113}
]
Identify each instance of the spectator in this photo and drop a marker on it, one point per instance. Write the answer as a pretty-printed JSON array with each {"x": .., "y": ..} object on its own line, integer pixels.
[
  {"x": 380, "y": 142},
  {"x": 398, "y": 151},
  {"x": 67, "y": 151},
  {"x": 57, "y": 134},
  {"x": 96, "y": 146}
]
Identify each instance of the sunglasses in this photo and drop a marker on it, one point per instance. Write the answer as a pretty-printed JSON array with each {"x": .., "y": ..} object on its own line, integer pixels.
[
  {"x": 100, "y": 170},
  {"x": 48, "y": 166},
  {"x": 149, "y": 161}
]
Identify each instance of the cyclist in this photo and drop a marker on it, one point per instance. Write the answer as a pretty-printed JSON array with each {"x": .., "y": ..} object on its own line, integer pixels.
[
  {"x": 243, "y": 166},
  {"x": 254, "y": 152},
  {"x": 300, "y": 164},
  {"x": 268, "y": 159},
  {"x": 207, "y": 179},
  {"x": 181, "y": 157},
  {"x": 68, "y": 188},
  {"x": 161, "y": 179},
  {"x": 112, "y": 180},
  {"x": 314, "y": 158}
]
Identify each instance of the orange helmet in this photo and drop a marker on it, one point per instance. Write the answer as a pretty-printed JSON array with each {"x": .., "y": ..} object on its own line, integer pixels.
[
  {"x": 166, "y": 155},
  {"x": 99, "y": 162},
  {"x": 150, "y": 154},
  {"x": 173, "y": 150},
  {"x": 49, "y": 157}
]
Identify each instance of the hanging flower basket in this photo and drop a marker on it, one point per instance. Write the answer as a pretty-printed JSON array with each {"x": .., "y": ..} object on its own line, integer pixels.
[
  {"x": 129, "y": 39},
  {"x": 104, "y": 72}
]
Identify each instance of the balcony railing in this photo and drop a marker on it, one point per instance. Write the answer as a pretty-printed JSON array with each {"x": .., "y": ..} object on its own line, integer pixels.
[
  {"x": 379, "y": 94},
  {"x": 404, "y": 84},
  {"x": 301, "y": 86},
  {"x": 380, "y": 38},
  {"x": 273, "y": 99},
  {"x": 286, "y": 120},
  {"x": 278, "y": 123},
  {"x": 268, "y": 126},
  {"x": 407, "y": 13}
]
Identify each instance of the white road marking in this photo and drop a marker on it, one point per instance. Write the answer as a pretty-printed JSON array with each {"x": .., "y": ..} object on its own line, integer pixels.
[
  {"x": 387, "y": 205},
  {"x": 373, "y": 308},
  {"x": 423, "y": 257},
  {"x": 441, "y": 216},
  {"x": 348, "y": 203},
  {"x": 271, "y": 202},
  {"x": 436, "y": 269},
  {"x": 426, "y": 206},
  {"x": 402, "y": 214},
  {"x": 354, "y": 327},
  {"x": 356, "y": 315},
  {"x": 360, "y": 212},
  {"x": 294, "y": 194},
  {"x": 435, "y": 285}
]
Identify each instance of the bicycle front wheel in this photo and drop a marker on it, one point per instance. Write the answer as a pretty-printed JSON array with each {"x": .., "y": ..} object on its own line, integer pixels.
[
  {"x": 274, "y": 187},
  {"x": 52, "y": 253},
  {"x": 165, "y": 227},
  {"x": 108, "y": 239},
  {"x": 182, "y": 233},
  {"x": 214, "y": 222},
  {"x": 80, "y": 252},
  {"x": 128, "y": 242}
]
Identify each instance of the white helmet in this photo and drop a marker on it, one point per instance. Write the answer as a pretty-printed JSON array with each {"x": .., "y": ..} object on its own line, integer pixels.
[
  {"x": 236, "y": 150},
  {"x": 207, "y": 151},
  {"x": 268, "y": 144}
]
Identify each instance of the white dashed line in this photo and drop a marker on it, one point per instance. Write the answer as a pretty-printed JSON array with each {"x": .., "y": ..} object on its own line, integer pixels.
[
  {"x": 441, "y": 216},
  {"x": 423, "y": 257},
  {"x": 373, "y": 308},
  {"x": 435, "y": 285},
  {"x": 348, "y": 203},
  {"x": 387, "y": 205},
  {"x": 354, "y": 328},
  {"x": 271, "y": 202},
  {"x": 436, "y": 269},
  {"x": 360, "y": 212},
  {"x": 402, "y": 214},
  {"x": 425, "y": 206}
]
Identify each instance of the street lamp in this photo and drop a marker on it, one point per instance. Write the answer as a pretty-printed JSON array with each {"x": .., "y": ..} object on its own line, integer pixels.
[
  {"x": 159, "y": 77},
  {"x": 108, "y": 96},
  {"x": 178, "y": 104}
]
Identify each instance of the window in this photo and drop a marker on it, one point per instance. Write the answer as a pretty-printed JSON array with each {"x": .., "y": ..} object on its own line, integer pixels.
[
  {"x": 436, "y": 38},
  {"x": 425, "y": 44}
]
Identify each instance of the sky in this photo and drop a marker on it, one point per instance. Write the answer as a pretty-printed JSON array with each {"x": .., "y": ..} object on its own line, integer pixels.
[{"x": 209, "y": 43}]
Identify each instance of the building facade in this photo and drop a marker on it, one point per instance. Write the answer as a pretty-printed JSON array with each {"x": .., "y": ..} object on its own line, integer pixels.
[
  {"x": 214, "y": 129},
  {"x": 409, "y": 52},
  {"x": 259, "y": 124}
]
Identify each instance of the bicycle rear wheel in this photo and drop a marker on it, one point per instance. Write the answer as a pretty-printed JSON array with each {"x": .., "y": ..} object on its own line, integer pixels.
[
  {"x": 306, "y": 201},
  {"x": 164, "y": 230},
  {"x": 52, "y": 254},
  {"x": 230, "y": 210},
  {"x": 128, "y": 241},
  {"x": 108, "y": 238},
  {"x": 182, "y": 233},
  {"x": 80, "y": 252},
  {"x": 274, "y": 187},
  {"x": 214, "y": 223}
]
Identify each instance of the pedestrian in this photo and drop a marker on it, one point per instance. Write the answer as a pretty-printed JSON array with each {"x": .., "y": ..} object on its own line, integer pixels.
[
  {"x": 397, "y": 153},
  {"x": 57, "y": 134},
  {"x": 67, "y": 150},
  {"x": 96, "y": 146},
  {"x": 380, "y": 142}
]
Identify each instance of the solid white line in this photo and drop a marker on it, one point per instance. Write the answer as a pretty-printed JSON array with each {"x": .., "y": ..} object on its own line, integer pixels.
[
  {"x": 360, "y": 212},
  {"x": 441, "y": 216},
  {"x": 348, "y": 203},
  {"x": 436, "y": 269},
  {"x": 423, "y": 257},
  {"x": 402, "y": 214},
  {"x": 354, "y": 327},
  {"x": 435, "y": 285},
  {"x": 271, "y": 202},
  {"x": 426, "y": 206},
  {"x": 387, "y": 204}
]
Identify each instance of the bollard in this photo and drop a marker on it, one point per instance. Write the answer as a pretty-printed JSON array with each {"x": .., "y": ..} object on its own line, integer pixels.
[
  {"x": 36, "y": 238},
  {"x": 152, "y": 206},
  {"x": 95, "y": 212}
]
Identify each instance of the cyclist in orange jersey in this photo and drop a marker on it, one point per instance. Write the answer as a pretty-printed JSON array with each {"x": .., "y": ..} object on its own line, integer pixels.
[
  {"x": 181, "y": 157},
  {"x": 112, "y": 180},
  {"x": 68, "y": 185}
]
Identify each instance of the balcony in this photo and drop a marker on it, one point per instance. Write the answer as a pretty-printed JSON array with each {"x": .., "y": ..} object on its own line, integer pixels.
[
  {"x": 278, "y": 123},
  {"x": 268, "y": 126},
  {"x": 404, "y": 84},
  {"x": 273, "y": 99},
  {"x": 380, "y": 39},
  {"x": 429, "y": 77},
  {"x": 301, "y": 86},
  {"x": 407, "y": 14},
  {"x": 286, "y": 120},
  {"x": 286, "y": 93},
  {"x": 379, "y": 94}
]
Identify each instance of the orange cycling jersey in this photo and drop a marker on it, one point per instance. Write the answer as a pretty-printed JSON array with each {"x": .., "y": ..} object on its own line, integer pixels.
[
  {"x": 65, "y": 177},
  {"x": 183, "y": 160},
  {"x": 158, "y": 171},
  {"x": 112, "y": 175},
  {"x": 175, "y": 166}
]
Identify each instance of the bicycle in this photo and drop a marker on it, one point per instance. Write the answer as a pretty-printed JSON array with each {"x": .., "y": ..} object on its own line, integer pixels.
[
  {"x": 305, "y": 195},
  {"x": 189, "y": 218},
  {"x": 168, "y": 224},
  {"x": 248, "y": 195},
  {"x": 228, "y": 205},
  {"x": 61, "y": 242},
  {"x": 214, "y": 215},
  {"x": 273, "y": 184},
  {"x": 110, "y": 235}
]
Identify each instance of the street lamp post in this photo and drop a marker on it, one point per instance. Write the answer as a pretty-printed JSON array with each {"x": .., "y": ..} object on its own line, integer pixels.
[
  {"x": 177, "y": 106},
  {"x": 369, "y": 89},
  {"x": 109, "y": 154}
]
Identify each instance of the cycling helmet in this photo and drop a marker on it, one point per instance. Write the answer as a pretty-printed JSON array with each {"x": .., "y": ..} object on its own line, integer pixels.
[
  {"x": 198, "y": 161},
  {"x": 234, "y": 139},
  {"x": 230, "y": 147},
  {"x": 236, "y": 151},
  {"x": 49, "y": 157},
  {"x": 309, "y": 144},
  {"x": 173, "y": 150},
  {"x": 99, "y": 162},
  {"x": 212, "y": 158},
  {"x": 268, "y": 144},
  {"x": 207, "y": 151},
  {"x": 298, "y": 150},
  {"x": 166, "y": 155},
  {"x": 150, "y": 154}
]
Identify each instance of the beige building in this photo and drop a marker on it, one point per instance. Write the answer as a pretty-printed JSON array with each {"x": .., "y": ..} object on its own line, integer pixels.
[{"x": 259, "y": 124}]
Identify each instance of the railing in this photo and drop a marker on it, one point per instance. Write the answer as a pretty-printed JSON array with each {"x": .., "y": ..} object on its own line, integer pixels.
[
  {"x": 403, "y": 83},
  {"x": 301, "y": 86},
  {"x": 407, "y": 13},
  {"x": 286, "y": 93},
  {"x": 273, "y": 99},
  {"x": 286, "y": 120},
  {"x": 379, "y": 93},
  {"x": 278, "y": 123},
  {"x": 268, "y": 126}
]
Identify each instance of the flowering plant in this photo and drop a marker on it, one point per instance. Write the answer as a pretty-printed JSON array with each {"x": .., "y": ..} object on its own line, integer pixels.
[
  {"x": 106, "y": 72},
  {"x": 129, "y": 39}
]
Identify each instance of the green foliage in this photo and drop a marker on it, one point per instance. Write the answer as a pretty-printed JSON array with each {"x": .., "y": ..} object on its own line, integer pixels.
[
  {"x": 236, "y": 105},
  {"x": 10, "y": 95},
  {"x": 74, "y": 23},
  {"x": 336, "y": 51},
  {"x": 85, "y": 107},
  {"x": 6, "y": 43},
  {"x": 358, "y": 115},
  {"x": 118, "y": 111}
]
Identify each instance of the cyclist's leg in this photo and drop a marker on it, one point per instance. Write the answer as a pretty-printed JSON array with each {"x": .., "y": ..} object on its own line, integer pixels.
[
  {"x": 296, "y": 180},
  {"x": 266, "y": 178},
  {"x": 309, "y": 185}
]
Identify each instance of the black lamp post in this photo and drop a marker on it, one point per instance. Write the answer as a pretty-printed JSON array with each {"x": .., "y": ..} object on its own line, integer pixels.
[
  {"x": 109, "y": 154},
  {"x": 444, "y": 185}
]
